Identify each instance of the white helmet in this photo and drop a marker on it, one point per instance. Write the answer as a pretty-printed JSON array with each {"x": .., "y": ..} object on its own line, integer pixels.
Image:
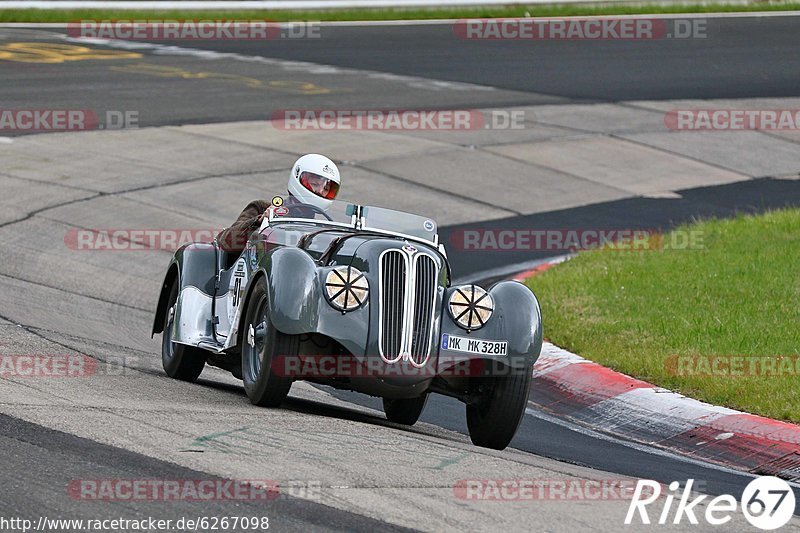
[{"x": 314, "y": 180}]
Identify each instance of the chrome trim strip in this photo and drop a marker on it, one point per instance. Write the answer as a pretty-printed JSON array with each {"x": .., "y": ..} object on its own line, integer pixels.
[{"x": 408, "y": 305}]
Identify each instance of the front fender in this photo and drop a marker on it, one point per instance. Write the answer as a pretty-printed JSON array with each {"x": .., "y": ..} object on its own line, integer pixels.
[
  {"x": 517, "y": 319},
  {"x": 297, "y": 304},
  {"x": 294, "y": 291},
  {"x": 521, "y": 318}
]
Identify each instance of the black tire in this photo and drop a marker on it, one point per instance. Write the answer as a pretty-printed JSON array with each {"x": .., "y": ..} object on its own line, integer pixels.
[
  {"x": 180, "y": 361},
  {"x": 493, "y": 420},
  {"x": 405, "y": 411},
  {"x": 259, "y": 349}
]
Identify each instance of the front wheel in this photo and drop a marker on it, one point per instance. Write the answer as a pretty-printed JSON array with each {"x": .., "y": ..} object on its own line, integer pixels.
[
  {"x": 179, "y": 360},
  {"x": 405, "y": 411},
  {"x": 493, "y": 420},
  {"x": 262, "y": 345}
]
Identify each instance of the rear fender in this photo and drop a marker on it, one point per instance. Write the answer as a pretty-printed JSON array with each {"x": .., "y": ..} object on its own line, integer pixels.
[
  {"x": 161, "y": 307},
  {"x": 193, "y": 265}
]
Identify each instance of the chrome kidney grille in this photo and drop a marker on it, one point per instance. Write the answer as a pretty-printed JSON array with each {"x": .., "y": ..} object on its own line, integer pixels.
[
  {"x": 425, "y": 285},
  {"x": 392, "y": 303},
  {"x": 406, "y": 316}
]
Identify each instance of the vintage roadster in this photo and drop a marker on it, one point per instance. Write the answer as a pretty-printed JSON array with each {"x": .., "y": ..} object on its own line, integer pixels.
[{"x": 358, "y": 298}]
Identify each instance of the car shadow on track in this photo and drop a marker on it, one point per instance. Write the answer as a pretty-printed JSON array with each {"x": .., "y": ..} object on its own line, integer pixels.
[{"x": 321, "y": 408}]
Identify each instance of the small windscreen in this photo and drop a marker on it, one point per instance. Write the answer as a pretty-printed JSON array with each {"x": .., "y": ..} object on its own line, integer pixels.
[
  {"x": 379, "y": 218},
  {"x": 340, "y": 213}
]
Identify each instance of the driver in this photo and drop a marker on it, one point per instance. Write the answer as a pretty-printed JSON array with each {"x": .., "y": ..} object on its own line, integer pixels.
[{"x": 314, "y": 180}]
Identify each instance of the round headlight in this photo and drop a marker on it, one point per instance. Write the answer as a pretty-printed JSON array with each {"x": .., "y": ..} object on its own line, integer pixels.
[
  {"x": 346, "y": 288},
  {"x": 471, "y": 306}
]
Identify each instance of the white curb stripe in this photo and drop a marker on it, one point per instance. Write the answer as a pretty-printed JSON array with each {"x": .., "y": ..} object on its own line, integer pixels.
[
  {"x": 667, "y": 414},
  {"x": 554, "y": 358},
  {"x": 664, "y": 413}
]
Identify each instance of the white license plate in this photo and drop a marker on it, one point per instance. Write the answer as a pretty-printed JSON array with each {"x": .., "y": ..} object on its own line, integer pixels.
[{"x": 476, "y": 346}]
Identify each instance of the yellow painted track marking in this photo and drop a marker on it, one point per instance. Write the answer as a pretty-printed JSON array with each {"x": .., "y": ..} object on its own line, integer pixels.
[
  {"x": 165, "y": 71},
  {"x": 57, "y": 53}
]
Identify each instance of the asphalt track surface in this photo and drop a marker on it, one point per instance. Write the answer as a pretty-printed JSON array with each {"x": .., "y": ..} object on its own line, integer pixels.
[
  {"x": 40, "y": 462},
  {"x": 737, "y": 58},
  {"x": 724, "y": 65}
]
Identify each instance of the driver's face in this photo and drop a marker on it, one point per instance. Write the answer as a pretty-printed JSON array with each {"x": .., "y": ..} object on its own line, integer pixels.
[{"x": 319, "y": 185}]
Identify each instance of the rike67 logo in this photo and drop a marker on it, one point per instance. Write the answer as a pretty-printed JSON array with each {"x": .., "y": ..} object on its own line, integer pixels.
[{"x": 767, "y": 503}]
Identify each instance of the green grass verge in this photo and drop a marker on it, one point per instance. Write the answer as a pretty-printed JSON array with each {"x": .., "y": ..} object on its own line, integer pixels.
[
  {"x": 635, "y": 311},
  {"x": 555, "y": 10}
]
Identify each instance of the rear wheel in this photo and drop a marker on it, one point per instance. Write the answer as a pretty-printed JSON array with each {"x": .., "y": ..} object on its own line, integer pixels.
[
  {"x": 261, "y": 345},
  {"x": 493, "y": 420},
  {"x": 179, "y": 360},
  {"x": 405, "y": 411}
]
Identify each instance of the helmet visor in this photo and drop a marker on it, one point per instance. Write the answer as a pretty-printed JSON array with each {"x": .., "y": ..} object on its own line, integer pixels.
[{"x": 319, "y": 185}]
